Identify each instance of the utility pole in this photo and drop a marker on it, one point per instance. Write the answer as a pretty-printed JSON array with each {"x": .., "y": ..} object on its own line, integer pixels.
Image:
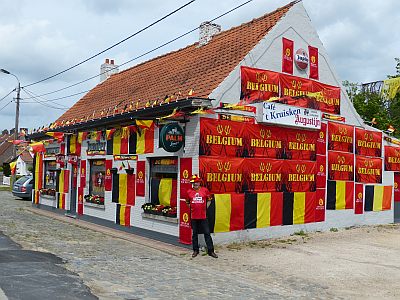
[{"x": 16, "y": 120}]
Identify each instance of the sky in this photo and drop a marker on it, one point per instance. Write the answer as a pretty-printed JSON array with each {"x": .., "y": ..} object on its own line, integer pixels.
[{"x": 43, "y": 37}]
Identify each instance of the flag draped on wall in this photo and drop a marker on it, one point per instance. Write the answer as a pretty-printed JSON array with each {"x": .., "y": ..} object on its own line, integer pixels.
[
  {"x": 396, "y": 187},
  {"x": 140, "y": 178},
  {"x": 340, "y": 137},
  {"x": 108, "y": 176},
  {"x": 368, "y": 143},
  {"x": 164, "y": 191},
  {"x": 61, "y": 200},
  {"x": 143, "y": 141},
  {"x": 368, "y": 169},
  {"x": 340, "y": 166},
  {"x": 320, "y": 205},
  {"x": 83, "y": 174},
  {"x": 123, "y": 188},
  {"x": 63, "y": 181},
  {"x": 287, "y": 55},
  {"x": 123, "y": 215},
  {"x": 38, "y": 173},
  {"x": 80, "y": 201},
  {"x": 313, "y": 54},
  {"x": 378, "y": 197},
  {"x": 392, "y": 158},
  {"x": 359, "y": 202},
  {"x": 226, "y": 213},
  {"x": 263, "y": 210},
  {"x": 74, "y": 147},
  {"x": 340, "y": 195},
  {"x": 117, "y": 141},
  {"x": 298, "y": 208}
]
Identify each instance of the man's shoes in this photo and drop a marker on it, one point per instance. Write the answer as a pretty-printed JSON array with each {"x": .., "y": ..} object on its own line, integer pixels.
[
  {"x": 195, "y": 253},
  {"x": 212, "y": 254}
]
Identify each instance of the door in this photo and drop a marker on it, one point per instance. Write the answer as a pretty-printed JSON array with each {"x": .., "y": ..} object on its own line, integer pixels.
[{"x": 74, "y": 175}]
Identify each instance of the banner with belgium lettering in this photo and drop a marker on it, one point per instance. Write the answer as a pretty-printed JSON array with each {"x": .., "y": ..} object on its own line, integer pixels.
[
  {"x": 222, "y": 174},
  {"x": 340, "y": 166},
  {"x": 392, "y": 158},
  {"x": 300, "y": 144},
  {"x": 368, "y": 143},
  {"x": 263, "y": 175},
  {"x": 368, "y": 169},
  {"x": 340, "y": 137},
  {"x": 258, "y": 85},
  {"x": 220, "y": 138},
  {"x": 264, "y": 141},
  {"x": 327, "y": 97},
  {"x": 299, "y": 176}
]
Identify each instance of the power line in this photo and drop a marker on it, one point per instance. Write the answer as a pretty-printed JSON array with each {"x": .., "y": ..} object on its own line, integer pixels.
[
  {"x": 5, "y": 105},
  {"x": 7, "y": 95},
  {"x": 36, "y": 99},
  {"x": 55, "y": 99},
  {"x": 144, "y": 54},
  {"x": 116, "y": 44}
]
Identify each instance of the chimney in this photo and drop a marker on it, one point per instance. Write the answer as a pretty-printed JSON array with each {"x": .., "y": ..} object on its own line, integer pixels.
[
  {"x": 207, "y": 31},
  {"x": 107, "y": 69}
]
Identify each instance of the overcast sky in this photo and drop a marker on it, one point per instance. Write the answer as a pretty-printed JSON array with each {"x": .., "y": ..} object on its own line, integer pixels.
[{"x": 43, "y": 37}]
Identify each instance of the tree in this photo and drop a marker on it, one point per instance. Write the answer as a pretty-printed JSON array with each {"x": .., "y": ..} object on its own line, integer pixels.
[{"x": 371, "y": 104}]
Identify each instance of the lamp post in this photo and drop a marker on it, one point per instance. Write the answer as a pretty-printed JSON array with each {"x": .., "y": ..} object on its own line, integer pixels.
[{"x": 16, "y": 113}]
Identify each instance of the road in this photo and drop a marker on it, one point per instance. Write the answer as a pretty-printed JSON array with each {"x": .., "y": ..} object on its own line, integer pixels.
[{"x": 358, "y": 263}]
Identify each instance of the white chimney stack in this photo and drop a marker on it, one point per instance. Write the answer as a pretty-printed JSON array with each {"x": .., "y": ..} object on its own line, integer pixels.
[
  {"x": 207, "y": 31},
  {"x": 107, "y": 69}
]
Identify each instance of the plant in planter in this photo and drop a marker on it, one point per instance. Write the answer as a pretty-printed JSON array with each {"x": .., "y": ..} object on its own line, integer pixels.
[
  {"x": 170, "y": 212},
  {"x": 95, "y": 199},
  {"x": 157, "y": 209},
  {"x": 148, "y": 208}
]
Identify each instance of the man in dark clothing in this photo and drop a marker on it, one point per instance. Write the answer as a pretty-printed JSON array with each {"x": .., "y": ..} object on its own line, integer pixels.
[{"x": 197, "y": 199}]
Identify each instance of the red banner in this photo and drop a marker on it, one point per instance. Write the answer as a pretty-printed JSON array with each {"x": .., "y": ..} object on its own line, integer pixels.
[
  {"x": 261, "y": 175},
  {"x": 359, "y": 203},
  {"x": 83, "y": 174},
  {"x": 340, "y": 137},
  {"x": 300, "y": 144},
  {"x": 293, "y": 86},
  {"x": 220, "y": 138},
  {"x": 313, "y": 55},
  {"x": 320, "y": 206},
  {"x": 392, "y": 158},
  {"x": 185, "y": 175},
  {"x": 108, "y": 176},
  {"x": 264, "y": 141},
  {"x": 287, "y": 55},
  {"x": 396, "y": 187},
  {"x": 221, "y": 174},
  {"x": 340, "y": 166},
  {"x": 258, "y": 85},
  {"x": 321, "y": 141},
  {"x": 327, "y": 97},
  {"x": 299, "y": 176},
  {"x": 185, "y": 230},
  {"x": 74, "y": 176},
  {"x": 80, "y": 201},
  {"x": 368, "y": 143},
  {"x": 140, "y": 178},
  {"x": 321, "y": 171},
  {"x": 368, "y": 169}
]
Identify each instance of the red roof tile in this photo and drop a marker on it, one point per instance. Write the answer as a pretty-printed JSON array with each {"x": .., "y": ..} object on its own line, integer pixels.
[{"x": 201, "y": 68}]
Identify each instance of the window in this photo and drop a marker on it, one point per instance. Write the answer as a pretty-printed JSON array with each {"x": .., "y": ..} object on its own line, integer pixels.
[
  {"x": 163, "y": 185},
  {"x": 96, "y": 182},
  {"x": 50, "y": 168}
]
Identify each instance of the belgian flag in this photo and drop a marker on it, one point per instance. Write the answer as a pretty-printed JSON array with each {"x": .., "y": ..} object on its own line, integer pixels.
[
  {"x": 378, "y": 197},
  {"x": 123, "y": 215},
  {"x": 123, "y": 189},
  {"x": 38, "y": 171},
  {"x": 117, "y": 141},
  {"x": 298, "y": 208},
  {"x": 263, "y": 210},
  {"x": 61, "y": 201},
  {"x": 63, "y": 181},
  {"x": 143, "y": 140},
  {"x": 226, "y": 213},
  {"x": 340, "y": 195},
  {"x": 164, "y": 191},
  {"x": 74, "y": 147},
  {"x": 36, "y": 197}
]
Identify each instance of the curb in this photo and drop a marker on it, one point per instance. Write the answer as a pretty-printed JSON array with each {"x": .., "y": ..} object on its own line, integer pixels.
[{"x": 130, "y": 237}]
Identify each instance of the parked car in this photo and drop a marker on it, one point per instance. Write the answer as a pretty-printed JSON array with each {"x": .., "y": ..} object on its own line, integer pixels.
[{"x": 23, "y": 187}]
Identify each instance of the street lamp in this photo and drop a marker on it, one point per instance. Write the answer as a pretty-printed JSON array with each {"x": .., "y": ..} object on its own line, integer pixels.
[{"x": 16, "y": 113}]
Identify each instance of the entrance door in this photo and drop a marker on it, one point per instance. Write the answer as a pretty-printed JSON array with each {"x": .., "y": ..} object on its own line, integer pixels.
[{"x": 74, "y": 180}]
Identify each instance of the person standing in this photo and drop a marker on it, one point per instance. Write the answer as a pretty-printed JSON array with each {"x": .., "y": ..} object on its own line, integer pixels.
[{"x": 198, "y": 196}]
